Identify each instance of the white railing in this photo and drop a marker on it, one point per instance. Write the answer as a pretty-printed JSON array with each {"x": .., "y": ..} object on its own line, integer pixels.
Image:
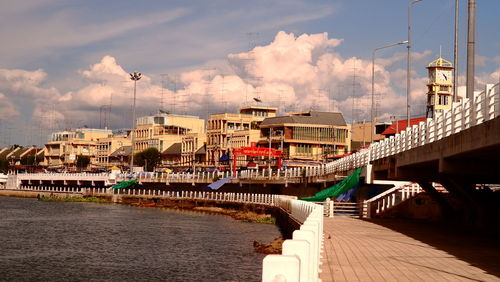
[
  {"x": 485, "y": 106},
  {"x": 390, "y": 198},
  {"x": 300, "y": 258},
  {"x": 62, "y": 177}
]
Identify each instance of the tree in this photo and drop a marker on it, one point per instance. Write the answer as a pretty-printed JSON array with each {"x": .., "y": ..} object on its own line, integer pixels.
[
  {"x": 149, "y": 158},
  {"x": 4, "y": 165},
  {"x": 82, "y": 162},
  {"x": 30, "y": 160}
]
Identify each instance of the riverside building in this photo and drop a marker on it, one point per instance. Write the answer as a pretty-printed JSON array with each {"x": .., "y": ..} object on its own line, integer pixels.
[
  {"x": 64, "y": 147},
  {"x": 111, "y": 151},
  {"x": 308, "y": 136},
  {"x": 233, "y": 130},
  {"x": 161, "y": 131}
]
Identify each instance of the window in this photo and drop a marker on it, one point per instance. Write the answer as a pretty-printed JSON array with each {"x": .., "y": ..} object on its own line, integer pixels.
[
  {"x": 443, "y": 100},
  {"x": 304, "y": 149}
]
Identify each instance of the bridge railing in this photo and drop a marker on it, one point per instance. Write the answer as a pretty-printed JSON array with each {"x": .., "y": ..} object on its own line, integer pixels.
[
  {"x": 470, "y": 112},
  {"x": 389, "y": 199}
]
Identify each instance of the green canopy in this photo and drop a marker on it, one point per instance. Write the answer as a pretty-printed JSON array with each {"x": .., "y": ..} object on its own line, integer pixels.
[
  {"x": 338, "y": 189},
  {"x": 125, "y": 184}
]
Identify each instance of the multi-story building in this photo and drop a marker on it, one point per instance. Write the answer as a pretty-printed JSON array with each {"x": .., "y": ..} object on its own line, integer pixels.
[
  {"x": 162, "y": 130},
  {"x": 109, "y": 145},
  {"x": 64, "y": 147},
  {"x": 308, "y": 135},
  {"x": 233, "y": 130},
  {"x": 361, "y": 133},
  {"x": 193, "y": 149}
]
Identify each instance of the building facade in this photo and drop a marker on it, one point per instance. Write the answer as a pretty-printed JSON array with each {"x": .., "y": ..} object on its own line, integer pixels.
[
  {"x": 233, "y": 130},
  {"x": 162, "y": 130},
  {"x": 65, "y": 147},
  {"x": 107, "y": 146},
  {"x": 308, "y": 135},
  {"x": 190, "y": 147}
]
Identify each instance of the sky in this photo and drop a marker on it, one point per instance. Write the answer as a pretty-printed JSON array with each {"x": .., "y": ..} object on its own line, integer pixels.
[{"x": 66, "y": 63}]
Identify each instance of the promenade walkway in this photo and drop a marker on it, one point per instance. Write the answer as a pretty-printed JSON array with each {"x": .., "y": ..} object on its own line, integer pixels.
[{"x": 397, "y": 250}]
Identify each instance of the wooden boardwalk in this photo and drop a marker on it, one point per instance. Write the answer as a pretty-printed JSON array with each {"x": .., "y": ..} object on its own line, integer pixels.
[{"x": 397, "y": 250}]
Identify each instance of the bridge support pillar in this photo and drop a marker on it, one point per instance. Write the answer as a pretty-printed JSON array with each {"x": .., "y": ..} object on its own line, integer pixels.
[
  {"x": 446, "y": 208},
  {"x": 474, "y": 210}
]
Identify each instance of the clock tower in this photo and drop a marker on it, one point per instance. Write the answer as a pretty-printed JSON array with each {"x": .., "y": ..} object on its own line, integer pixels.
[{"x": 439, "y": 87}]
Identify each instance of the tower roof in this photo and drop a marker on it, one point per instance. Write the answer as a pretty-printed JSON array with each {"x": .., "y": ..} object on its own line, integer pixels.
[{"x": 440, "y": 62}]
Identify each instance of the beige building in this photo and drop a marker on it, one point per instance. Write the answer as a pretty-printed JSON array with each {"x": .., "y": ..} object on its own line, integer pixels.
[
  {"x": 162, "y": 130},
  {"x": 107, "y": 146},
  {"x": 64, "y": 147},
  {"x": 361, "y": 133},
  {"x": 192, "y": 146},
  {"x": 310, "y": 136},
  {"x": 234, "y": 130}
]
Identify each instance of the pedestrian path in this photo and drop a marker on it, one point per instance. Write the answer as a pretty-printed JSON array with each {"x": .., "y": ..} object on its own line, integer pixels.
[{"x": 392, "y": 250}]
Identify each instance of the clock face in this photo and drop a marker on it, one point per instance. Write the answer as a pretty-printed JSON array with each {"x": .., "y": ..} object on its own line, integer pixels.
[{"x": 444, "y": 76}]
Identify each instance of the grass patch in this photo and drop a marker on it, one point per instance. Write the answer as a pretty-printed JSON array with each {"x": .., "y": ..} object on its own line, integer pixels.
[
  {"x": 266, "y": 220},
  {"x": 72, "y": 199}
]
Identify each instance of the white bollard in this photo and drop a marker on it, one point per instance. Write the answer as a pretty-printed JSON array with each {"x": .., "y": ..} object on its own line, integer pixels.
[
  {"x": 308, "y": 236},
  {"x": 280, "y": 268},
  {"x": 301, "y": 249}
]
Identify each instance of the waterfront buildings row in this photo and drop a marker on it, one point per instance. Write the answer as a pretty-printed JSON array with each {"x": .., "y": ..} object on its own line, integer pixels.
[{"x": 186, "y": 141}]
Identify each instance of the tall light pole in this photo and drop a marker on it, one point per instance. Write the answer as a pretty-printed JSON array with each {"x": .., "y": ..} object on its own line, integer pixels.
[
  {"x": 373, "y": 84},
  {"x": 455, "y": 56},
  {"x": 135, "y": 76},
  {"x": 471, "y": 45},
  {"x": 408, "y": 64}
]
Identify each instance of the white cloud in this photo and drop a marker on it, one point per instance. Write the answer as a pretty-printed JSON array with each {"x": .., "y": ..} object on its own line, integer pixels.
[
  {"x": 291, "y": 72},
  {"x": 7, "y": 108}
]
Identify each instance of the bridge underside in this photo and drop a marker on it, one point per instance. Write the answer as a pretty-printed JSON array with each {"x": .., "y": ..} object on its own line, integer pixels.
[
  {"x": 470, "y": 156},
  {"x": 458, "y": 162}
]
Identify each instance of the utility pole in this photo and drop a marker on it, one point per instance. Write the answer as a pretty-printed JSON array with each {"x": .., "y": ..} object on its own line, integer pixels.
[
  {"x": 455, "y": 56},
  {"x": 408, "y": 65},
  {"x": 135, "y": 76},
  {"x": 471, "y": 43},
  {"x": 269, "y": 153}
]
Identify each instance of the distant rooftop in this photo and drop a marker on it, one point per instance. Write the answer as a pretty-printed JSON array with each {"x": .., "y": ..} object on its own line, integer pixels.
[
  {"x": 310, "y": 117},
  {"x": 400, "y": 125}
]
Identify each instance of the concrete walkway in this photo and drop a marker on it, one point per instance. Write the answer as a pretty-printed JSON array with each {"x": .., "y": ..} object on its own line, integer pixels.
[{"x": 396, "y": 250}]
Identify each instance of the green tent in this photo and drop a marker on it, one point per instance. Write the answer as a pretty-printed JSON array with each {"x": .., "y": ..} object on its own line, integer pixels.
[
  {"x": 338, "y": 189},
  {"x": 125, "y": 184}
]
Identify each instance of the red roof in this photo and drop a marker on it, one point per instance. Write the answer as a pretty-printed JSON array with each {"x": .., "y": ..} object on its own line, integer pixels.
[{"x": 400, "y": 125}]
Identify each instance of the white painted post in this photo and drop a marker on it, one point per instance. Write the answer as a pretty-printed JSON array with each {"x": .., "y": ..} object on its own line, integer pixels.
[
  {"x": 309, "y": 237},
  {"x": 301, "y": 249},
  {"x": 281, "y": 268}
]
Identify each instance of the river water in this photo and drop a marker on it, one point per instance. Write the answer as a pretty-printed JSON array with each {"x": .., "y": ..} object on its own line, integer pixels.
[{"x": 58, "y": 241}]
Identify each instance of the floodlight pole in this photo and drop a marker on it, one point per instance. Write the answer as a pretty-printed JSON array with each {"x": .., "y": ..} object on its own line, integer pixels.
[
  {"x": 408, "y": 64},
  {"x": 135, "y": 76},
  {"x": 373, "y": 85}
]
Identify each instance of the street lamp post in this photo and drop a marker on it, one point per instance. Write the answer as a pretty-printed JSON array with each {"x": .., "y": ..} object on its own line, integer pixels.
[
  {"x": 408, "y": 63},
  {"x": 373, "y": 84},
  {"x": 135, "y": 76}
]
